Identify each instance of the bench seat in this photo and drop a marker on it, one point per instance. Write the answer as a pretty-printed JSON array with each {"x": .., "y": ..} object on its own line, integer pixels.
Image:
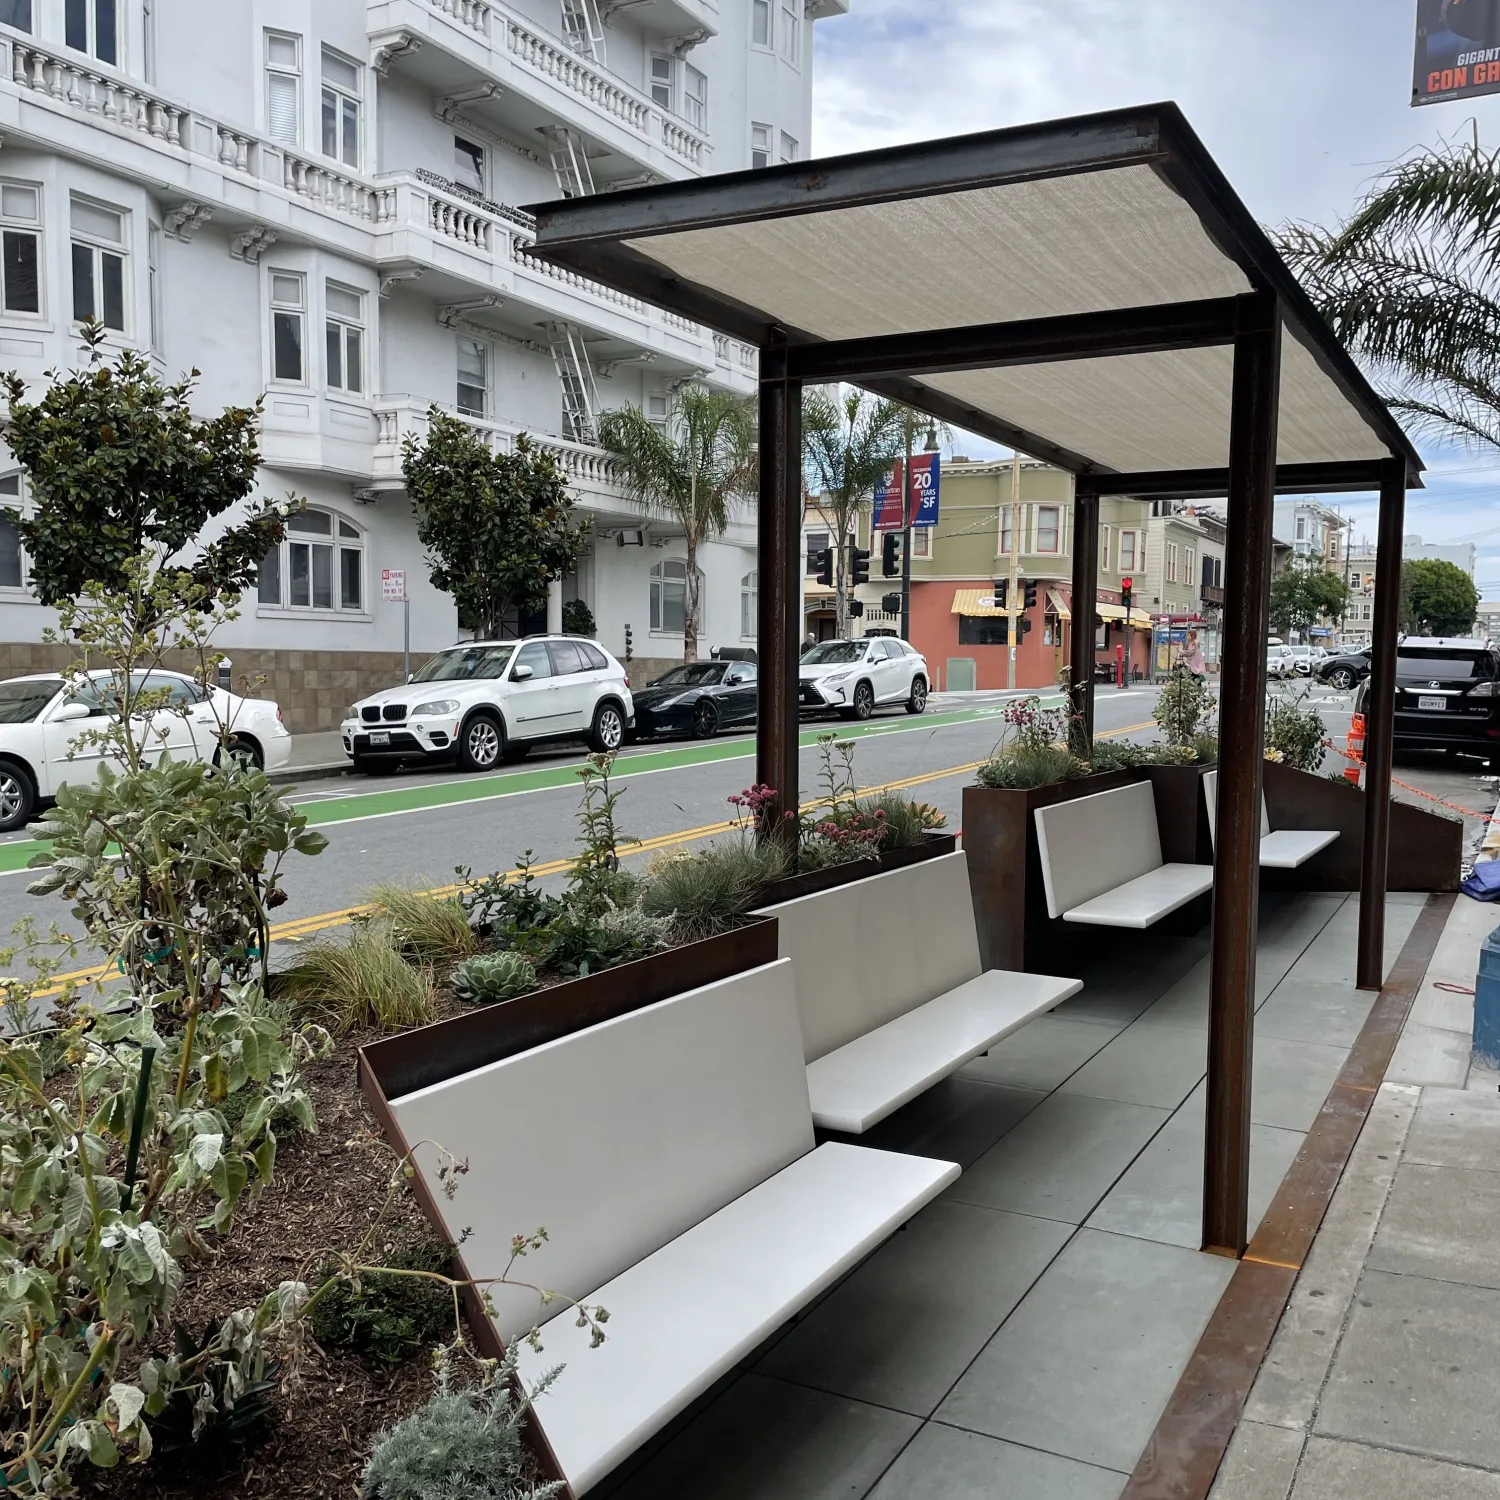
[
  {"x": 687, "y": 1314},
  {"x": 859, "y": 1084},
  {"x": 1147, "y": 899},
  {"x": 1287, "y": 848}
]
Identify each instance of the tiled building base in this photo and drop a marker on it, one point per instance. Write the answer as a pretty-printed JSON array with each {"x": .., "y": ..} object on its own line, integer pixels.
[{"x": 312, "y": 687}]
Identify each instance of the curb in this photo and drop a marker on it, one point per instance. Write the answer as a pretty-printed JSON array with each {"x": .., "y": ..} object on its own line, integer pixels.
[{"x": 288, "y": 775}]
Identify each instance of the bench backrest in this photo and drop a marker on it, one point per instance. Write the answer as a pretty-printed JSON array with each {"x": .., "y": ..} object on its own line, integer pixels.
[
  {"x": 1094, "y": 844},
  {"x": 618, "y": 1138},
  {"x": 869, "y": 951},
  {"x": 1211, "y": 796}
]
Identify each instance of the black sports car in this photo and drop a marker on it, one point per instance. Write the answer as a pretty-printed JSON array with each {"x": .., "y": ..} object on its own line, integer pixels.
[
  {"x": 1346, "y": 671},
  {"x": 698, "y": 698}
]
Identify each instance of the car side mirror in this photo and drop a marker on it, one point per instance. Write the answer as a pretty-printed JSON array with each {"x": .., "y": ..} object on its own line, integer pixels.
[
  {"x": 67, "y": 712},
  {"x": 520, "y": 674}
]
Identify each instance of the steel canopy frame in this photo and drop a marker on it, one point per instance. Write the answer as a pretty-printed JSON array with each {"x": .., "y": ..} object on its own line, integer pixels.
[{"x": 590, "y": 235}]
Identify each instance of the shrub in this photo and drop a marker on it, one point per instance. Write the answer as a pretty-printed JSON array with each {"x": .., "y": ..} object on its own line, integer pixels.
[
  {"x": 1117, "y": 755},
  {"x": 1294, "y": 731},
  {"x": 1183, "y": 708},
  {"x": 364, "y": 982},
  {"x": 905, "y": 822},
  {"x": 500, "y": 906},
  {"x": 1206, "y": 748},
  {"x": 384, "y": 1317},
  {"x": 577, "y": 618},
  {"x": 710, "y": 892},
  {"x": 489, "y": 978},
  {"x": 462, "y": 1443},
  {"x": 1018, "y": 767},
  {"x": 427, "y": 929}
]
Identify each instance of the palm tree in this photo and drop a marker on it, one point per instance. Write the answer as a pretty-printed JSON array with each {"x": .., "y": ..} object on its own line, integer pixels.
[
  {"x": 1411, "y": 282},
  {"x": 690, "y": 467},
  {"x": 849, "y": 441}
]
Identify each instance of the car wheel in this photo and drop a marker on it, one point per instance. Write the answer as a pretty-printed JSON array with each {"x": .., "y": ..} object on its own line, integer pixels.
[
  {"x": 608, "y": 732},
  {"x": 481, "y": 744},
  {"x": 705, "y": 721},
  {"x": 917, "y": 702},
  {"x": 17, "y": 796},
  {"x": 864, "y": 700},
  {"x": 1341, "y": 678},
  {"x": 243, "y": 749},
  {"x": 514, "y": 751}
]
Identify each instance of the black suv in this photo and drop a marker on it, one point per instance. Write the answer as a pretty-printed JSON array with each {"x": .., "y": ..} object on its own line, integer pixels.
[{"x": 1447, "y": 696}]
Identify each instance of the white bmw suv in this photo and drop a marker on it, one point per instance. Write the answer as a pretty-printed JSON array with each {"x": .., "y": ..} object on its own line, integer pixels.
[{"x": 487, "y": 701}]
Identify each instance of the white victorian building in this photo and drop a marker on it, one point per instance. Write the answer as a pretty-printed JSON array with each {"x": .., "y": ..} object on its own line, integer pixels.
[{"x": 313, "y": 200}]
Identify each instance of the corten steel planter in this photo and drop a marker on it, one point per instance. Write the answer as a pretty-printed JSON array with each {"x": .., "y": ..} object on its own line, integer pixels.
[
  {"x": 790, "y": 887},
  {"x": 400, "y": 1065},
  {"x": 1426, "y": 847},
  {"x": 1005, "y": 865}
]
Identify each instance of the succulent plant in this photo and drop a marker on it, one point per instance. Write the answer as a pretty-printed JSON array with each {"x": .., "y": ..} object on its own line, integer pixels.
[{"x": 489, "y": 978}]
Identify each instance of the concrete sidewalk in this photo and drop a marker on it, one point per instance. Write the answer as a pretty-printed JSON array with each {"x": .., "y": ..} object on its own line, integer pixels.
[
  {"x": 1383, "y": 1380},
  {"x": 314, "y": 756}
]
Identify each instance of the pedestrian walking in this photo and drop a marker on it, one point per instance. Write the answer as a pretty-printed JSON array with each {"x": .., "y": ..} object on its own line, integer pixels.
[{"x": 1192, "y": 656}]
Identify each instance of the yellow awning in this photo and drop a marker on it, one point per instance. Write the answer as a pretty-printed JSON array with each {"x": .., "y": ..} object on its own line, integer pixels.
[
  {"x": 978, "y": 604},
  {"x": 1117, "y": 612},
  {"x": 1056, "y": 606}
]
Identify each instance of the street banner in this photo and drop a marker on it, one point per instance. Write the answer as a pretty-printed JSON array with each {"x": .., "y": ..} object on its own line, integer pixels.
[
  {"x": 926, "y": 481},
  {"x": 1458, "y": 50}
]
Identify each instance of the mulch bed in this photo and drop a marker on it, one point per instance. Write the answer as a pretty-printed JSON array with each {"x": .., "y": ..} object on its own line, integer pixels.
[{"x": 326, "y": 1191}]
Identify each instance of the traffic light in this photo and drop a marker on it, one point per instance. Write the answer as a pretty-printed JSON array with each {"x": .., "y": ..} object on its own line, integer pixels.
[
  {"x": 891, "y": 604},
  {"x": 1002, "y": 590},
  {"x": 1026, "y": 626},
  {"x": 1030, "y": 595},
  {"x": 1125, "y": 585},
  {"x": 824, "y": 560},
  {"x": 860, "y": 557},
  {"x": 856, "y": 609},
  {"x": 890, "y": 555}
]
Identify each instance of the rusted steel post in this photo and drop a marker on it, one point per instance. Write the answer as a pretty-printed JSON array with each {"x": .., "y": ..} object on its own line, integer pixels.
[{"x": 1085, "y": 593}]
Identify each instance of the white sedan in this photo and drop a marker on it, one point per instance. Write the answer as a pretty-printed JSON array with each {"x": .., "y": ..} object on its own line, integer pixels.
[{"x": 43, "y": 719}]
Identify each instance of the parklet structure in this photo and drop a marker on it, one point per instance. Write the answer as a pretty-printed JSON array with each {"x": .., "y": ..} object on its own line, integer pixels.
[{"x": 1093, "y": 292}]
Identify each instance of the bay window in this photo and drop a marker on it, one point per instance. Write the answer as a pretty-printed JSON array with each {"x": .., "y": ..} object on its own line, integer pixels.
[
  {"x": 345, "y": 332},
  {"x": 98, "y": 263},
  {"x": 20, "y": 248},
  {"x": 320, "y": 565}
]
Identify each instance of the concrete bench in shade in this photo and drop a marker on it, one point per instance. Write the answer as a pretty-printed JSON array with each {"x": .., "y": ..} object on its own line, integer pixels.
[
  {"x": 891, "y": 992},
  {"x": 1102, "y": 864},
  {"x": 1280, "y": 849},
  {"x": 670, "y": 1156}
]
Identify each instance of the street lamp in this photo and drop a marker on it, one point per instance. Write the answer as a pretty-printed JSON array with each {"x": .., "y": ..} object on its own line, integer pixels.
[{"x": 929, "y": 446}]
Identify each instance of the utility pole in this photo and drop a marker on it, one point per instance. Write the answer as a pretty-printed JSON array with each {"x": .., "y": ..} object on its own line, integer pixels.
[
  {"x": 907, "y": 487},
  {"x": 1014, "y": 615}
]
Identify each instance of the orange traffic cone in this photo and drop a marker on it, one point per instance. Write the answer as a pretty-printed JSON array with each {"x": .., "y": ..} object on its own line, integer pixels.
[{"x": 1354, "y": 748}]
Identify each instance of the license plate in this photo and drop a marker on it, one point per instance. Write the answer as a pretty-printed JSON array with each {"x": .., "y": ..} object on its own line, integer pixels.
[
  {"x": 380, "y": 739},
  {"x": 1432, "y": 705}
]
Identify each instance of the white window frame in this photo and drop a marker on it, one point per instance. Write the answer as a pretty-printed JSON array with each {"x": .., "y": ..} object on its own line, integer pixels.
[
  {"x": 823, "y": 538},
  {"x": 749, "y": 605},
  {"x": 1003, "y": 540},
  {"x": 695, "y": 97},
  {"x": 766, "y": 8},
  {"x": 921, "y": 542},
  {"x": 292, "y": 73},
  {"x": 283, "y": 307},
  {"x": 760, "y": 145},
  {"x": 17, "y": 592},
  {"x": 98, "y": 247},
  {"x": 657, "y": 606},
  {"x": 90, "y": 49},
  {"x": 349, "y": 330},
  {"x": 1171, "y": 562},
  {"x": 791, "y": 32},
  {"x": 155, "y": 313},
  {"x": 1129, "y": 544},
  {"x": 667, "y": 82},
  {"x": 343, "y": 537},
  {"x": 657, "y": 408},
  {"x": 342, "y": 96},
  {"x": 789, "y": 147},
  {"x": 484, "y": 163},
  {"x": 484, "y": 390},
  {"x": 31, "y": 7},
  {"x": 1104, "y": 534},
  {"x": 1189, "y": 558},
  {"x": 14, "y": 224},
  {"x": 1055, "y": 529}
]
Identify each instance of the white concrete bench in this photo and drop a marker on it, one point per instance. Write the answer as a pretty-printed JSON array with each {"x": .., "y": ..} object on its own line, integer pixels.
[
  {"x": 1102, "y": 864},
  {"x": 1281, "y": 849},
  {"x": 891, "y": 991},
  {"x": 670, "y": 1156}
]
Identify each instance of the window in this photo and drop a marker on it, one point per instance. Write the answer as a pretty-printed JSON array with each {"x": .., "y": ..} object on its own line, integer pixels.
[
  {"x": 153, "y": 285},
  {"x": 593, "y": 658},
  {"x": 20, "y": 248},
  {"x": 921, "y": 541},
  {"x": 1301, "y": 528},
  {"x": 749, "y": 606},
  {"x": 566, "y": 658},
  {"x": 656, "y": 409},
  {"x": 1171, "y": 562},
  {"x": 16, "y": 13},
  {"x": 1104, "y": 536},
  {"x": 284, "y": 87},
  {"x": 1006, "y": 516},
  {"x": 1187, "y": 565},
  {"x": 788, "y": 147},
  {"x": 92, "y": 26},
  {"x": 468, "y": 164},
  {"x": 695, "y": 97},
  {"x": 1048, "y": 528},
  {"x": 533, "y": 655},
  {"x": 12, "y": 562},
  {"x": 669, "y": 596},
  {"x": 320, "y": 565},
  {"x": 760, "y": 23},
  {"x": 817, "y": 541},
  {"x": 473, "y": 377},
  {"x": 760, "y": 146},
  {"x": 288, "y": 300},
  {"x": 345, "y": 332},
  {"x": 98, "y": 264},
  {"x": 791, "y": 31},
  {"x": 340, "y": 109},
  {"x": 1127, "y": 551},
  {"x": 661, "y": 80},
  {"x": 987, "y": 631}
]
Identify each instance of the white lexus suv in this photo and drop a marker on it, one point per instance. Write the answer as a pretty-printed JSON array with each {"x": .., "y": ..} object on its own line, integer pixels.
[
  {"x": 486, "y": 701},
  {"x": 856, "y": 677}
]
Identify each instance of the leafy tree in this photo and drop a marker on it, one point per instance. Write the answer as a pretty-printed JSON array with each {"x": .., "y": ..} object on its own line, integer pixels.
[
  {"x": 1304, "y": 592},
  {"x": 120, "y": 470},
  {"x": 1437, "y": 598},
  {"x": 849, "y": 442},
  {"x": 1411, "y": 281},
  {"x": 498, "y": 527},
  {"x": 690, "y": 467},
  {"x": 578, "y": 618}
]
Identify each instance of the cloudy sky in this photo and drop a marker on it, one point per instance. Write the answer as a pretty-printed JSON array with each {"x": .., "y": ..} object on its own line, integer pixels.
[{"x": 1301, "y": 101}]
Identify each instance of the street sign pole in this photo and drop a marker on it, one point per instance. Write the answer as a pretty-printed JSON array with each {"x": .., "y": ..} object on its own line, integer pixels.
[
  {"x": 1013, "y": 619},
  {"x": 393, "y": 591}
]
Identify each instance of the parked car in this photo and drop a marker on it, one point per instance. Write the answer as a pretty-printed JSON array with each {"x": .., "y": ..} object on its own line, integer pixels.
[
  {"x": 44, "y": 719},
  {"x": 1303, "y": 658},
  {"x": 487, "y": 701},
  {"x": 1279, "y": 661},
  {"x": 855, "y": 677},
  {"x": 698, "y": 698},
  {"x": 1344, "y": 670},
  {"x": 1447, "y": 696}
]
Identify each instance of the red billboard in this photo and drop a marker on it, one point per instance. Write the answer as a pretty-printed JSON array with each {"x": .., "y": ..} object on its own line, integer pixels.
[{"x": 1458, "y": 50}]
